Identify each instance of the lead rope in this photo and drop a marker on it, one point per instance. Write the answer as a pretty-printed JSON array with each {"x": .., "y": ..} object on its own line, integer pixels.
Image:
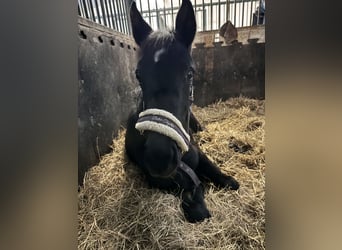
[{"x": 189, "y": 171}]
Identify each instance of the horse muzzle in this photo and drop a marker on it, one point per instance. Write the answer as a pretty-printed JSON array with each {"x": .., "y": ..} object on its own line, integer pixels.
[{"x": 161, "y": 156}]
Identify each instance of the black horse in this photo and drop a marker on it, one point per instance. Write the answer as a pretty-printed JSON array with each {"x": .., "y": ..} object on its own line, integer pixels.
[{"x": 157, "y": 138}]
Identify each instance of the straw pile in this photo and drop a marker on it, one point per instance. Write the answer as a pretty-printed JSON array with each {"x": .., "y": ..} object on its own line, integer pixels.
[{"x": 117, "y": 210}]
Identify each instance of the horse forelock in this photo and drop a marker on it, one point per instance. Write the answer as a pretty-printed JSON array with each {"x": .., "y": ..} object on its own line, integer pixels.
[
  {"x": 160, "y": 39},
  {"x": 157, "y": 41}
]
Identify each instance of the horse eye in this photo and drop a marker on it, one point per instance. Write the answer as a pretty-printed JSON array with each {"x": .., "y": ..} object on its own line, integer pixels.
[{"x": 190, "y": 75}]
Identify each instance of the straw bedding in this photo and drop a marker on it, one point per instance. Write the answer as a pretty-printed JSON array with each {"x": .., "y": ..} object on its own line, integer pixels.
[{"x": 117, "y": 210}]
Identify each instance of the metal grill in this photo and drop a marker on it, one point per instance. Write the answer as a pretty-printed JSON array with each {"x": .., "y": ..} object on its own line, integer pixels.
[{"x": 210, "y": 14}]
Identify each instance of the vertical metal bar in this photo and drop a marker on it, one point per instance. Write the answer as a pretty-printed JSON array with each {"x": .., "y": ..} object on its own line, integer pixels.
[
  {"x": 141, "y": 7},
  {"x": 109, "y": 16},
  {"x": 243, "y": 12},
  {"x": 126, "y": 17},
  {"x": 97, "y": 12},
  {"x": 157, "y": 14},
  {"x": 164, "y": 14},
  {"x": 149, "y": 11},
  {"x": 85, "y": 9},
  {"x": 129, "y": 25},
  {"x": 123, "y": 15},
  {"x": 251, "y": 13},
  {"x": 80, "y": 4},
  {"x": 111, "y": 5},
  {"x": 92, "y": 10},
  {"x": 203, "y": 24},
  {"x": 101, "y": 17},
  {"x": 89, "y": 10},
  {"x": 120, "y": 17},
  {"x": 196, "y": 12},
  {"x": 172, "y": 12},
  {"x": 227, "y": 9},
  {"x": 258, "y": 12},
  {"x": 105, "y": 14},
  {"x": 235, "y": 13},
  {"x": 219, "y": 14},
  {"x": 211, "y": 14},
  {"x": 110, "y": 24},
  {"x": 122, "y": 26},
  {"x": 112, "y": 14},
  {"x": 117, "y": 15}
]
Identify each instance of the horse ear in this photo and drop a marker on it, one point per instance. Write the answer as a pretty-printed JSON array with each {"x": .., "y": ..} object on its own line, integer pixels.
[
  {"x": 186, "y": 24},
  {"x": 140, "y": 28}
]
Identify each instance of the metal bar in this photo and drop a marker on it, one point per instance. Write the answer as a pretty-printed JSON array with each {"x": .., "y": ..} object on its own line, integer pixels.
[
  {"x": 243, "y": 12},
  {"x": 98, "y": 12},
  {"x": 92, "y": 10},
  {"x": 251, "y": 14},
  {"x": 157, "y": 14},
  {"x": 235, "y": 13},
  {"x": 85, "y": 9},
  {"x": 219, "y": 14},
  {"x": 126, "y": 17},
  {"x": 128, "y": 8},
  {"x": 117, "y": 15},
  {"x": 211, "y": 14},
  {"x": 120, "y": 17},
  {"x": 89, "y": 9},
  {"x": 104, "y": 13},
  {"x": 112, "y": 14},
  {"x": 258, "y": 12},
  {"x": 203, "y": 14},
  {"x": 119, "y": 11},
  {"x": 108, "y": 14},
  {"x": 149, "y": 11},
  {"x": 80, "y": 5},
  {"x": 172, "y": 12},
  {"x": 164, "y": 13},
  {"x": 227, "y": 9},
  {"x": 141, "y": 7}
]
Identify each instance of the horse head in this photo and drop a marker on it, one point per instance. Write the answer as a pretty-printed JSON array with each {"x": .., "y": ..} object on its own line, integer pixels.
[{"x": 165, "y": 73}]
